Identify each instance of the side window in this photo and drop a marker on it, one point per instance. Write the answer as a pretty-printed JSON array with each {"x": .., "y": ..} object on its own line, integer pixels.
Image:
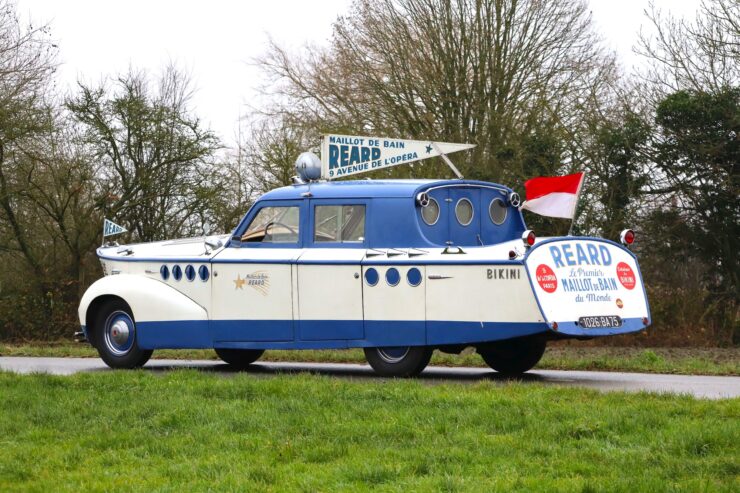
[
  {"x": 339, "y": 223},
  {"x": 274, "y": 225}
]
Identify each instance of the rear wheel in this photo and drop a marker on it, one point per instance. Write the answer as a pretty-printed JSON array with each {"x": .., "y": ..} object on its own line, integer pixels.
[
  {"x": 402, "y": 361},
  {"x": 239, "y": 358},
  {"x": 115, "y": 336},
  {"x": 513, "y": 356}
]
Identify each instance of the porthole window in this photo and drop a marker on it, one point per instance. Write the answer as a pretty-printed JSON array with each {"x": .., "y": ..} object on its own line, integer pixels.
[
  {"x": 164, "y": 271},
  {"x": 203, "y": 273},
  {"x": 430, "y": 212},
  {"x": 413, "y": 276},
  {"x": 371, "y": 277},
  {"x": 464, "y": 212},
  {"x": 190, "y": 273},
  {"x": 177, "y": 273},
  {"x": 392, "y": 277},
  {"x": 497, "y": 210}
]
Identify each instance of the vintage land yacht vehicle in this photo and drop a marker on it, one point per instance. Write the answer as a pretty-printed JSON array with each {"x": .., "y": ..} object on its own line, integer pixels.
[{"x": 396, "y": 267}]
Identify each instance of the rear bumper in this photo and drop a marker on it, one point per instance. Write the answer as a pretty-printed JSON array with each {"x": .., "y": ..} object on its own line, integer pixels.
[{"x": 629, "y": 325}]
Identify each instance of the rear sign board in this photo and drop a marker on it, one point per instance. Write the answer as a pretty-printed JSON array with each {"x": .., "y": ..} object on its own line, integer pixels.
[{"x": 592, "y": 282}]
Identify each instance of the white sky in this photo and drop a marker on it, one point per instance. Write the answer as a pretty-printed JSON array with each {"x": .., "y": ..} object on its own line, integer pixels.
[{"x": 215, "y": 40}]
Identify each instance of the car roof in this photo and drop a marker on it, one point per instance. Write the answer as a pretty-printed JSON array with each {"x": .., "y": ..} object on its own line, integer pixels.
[{"x": 360, "y": 189}]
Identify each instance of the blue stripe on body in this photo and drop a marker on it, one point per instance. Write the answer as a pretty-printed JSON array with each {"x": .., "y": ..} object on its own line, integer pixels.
[{"x": 278, "y": 334}]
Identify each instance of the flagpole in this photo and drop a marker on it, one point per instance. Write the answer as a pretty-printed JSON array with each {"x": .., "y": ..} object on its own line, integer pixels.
[
  {"x": 447, "y": 161},
  {"x": 578, "y": 199}
]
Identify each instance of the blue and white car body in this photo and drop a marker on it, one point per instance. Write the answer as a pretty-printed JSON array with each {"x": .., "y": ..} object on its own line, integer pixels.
[{"x": 369, "y": 264}]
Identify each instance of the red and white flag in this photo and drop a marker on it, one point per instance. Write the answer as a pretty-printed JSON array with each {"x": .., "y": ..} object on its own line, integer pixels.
[{"x": 554, "y": 196}]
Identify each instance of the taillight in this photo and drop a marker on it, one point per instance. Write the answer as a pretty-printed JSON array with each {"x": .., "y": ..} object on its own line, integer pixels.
[
  {"x": 528, "y": 238},
  {"x": 627, "y": 237}
]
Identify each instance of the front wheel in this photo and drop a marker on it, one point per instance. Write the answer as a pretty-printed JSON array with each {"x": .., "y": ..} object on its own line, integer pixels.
[
  {"x": 115, "y": 336},
  {"x": 398, "y": 361},
  {"x": 513, "y": 356},
  {"x": 239, "y": 358}
]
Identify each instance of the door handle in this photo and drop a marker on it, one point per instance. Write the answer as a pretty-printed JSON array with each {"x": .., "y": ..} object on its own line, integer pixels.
[{"x": 435, "y": 277}]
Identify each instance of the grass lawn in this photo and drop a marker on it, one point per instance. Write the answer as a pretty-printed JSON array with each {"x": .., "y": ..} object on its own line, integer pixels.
[
  {"x": 190, "y": 431},
  {"x": 687, "y": 361}
]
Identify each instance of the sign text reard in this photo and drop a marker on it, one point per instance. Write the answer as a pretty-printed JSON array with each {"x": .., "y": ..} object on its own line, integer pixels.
[{"x": 349, "y": 155}]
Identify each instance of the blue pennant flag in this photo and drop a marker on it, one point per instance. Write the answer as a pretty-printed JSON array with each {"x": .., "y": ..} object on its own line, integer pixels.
[{"x": 110, "y": 228}]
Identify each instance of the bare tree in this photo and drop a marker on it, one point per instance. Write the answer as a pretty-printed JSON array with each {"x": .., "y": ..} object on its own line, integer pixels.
[
  {"x": 703, "y": 55},
  {"x": 498, "y": 73},
  {"x": 156, "y": 157},
  {"x": 26, "y": 65}
]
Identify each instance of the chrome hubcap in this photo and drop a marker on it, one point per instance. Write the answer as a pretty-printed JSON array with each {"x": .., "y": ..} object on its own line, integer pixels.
[
  {"x": 119, "y": 333},
  {"x": 393, "y": 354}
]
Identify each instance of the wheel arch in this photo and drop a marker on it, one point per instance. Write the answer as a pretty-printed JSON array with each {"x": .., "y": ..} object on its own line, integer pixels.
[
  {"x": 92, "y": 310},
  {"x": 149, "y": 300}
]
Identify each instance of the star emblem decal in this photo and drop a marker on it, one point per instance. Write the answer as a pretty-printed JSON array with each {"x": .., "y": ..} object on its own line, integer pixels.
[
  {"x": 239, "y": 282},
  {"x": 429, "y": 148}
]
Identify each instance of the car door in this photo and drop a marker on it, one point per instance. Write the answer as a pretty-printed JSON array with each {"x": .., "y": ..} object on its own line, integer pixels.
[
  {"x": 329, "y": 271},
  {"x": 253, "y": 277}
]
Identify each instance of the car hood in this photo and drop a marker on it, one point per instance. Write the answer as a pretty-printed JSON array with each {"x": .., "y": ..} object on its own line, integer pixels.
[{"x": 184, "y": 248}]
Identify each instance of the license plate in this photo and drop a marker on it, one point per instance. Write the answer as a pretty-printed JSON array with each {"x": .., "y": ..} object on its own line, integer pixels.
[{"x": 600, "y": 322}]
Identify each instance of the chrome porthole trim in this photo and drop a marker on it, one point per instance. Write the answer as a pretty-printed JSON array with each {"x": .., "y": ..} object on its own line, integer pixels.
[
  {"x": 431, "y": 201},
  {"x": 371, "y": 277},
  {"x": 504, "y": 208},
  {"x": 414, "y": 277},
  {"x": 457, "y": 211},
  {"x": 392, "y": 277}
]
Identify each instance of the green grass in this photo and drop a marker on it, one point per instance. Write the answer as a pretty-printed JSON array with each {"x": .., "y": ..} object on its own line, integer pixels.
[
  {"x": 191, "y": 431},
  {"x": 687, "y": 361}
]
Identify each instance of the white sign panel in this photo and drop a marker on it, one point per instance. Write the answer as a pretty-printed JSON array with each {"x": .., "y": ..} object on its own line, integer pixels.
[
  {"x": 586, "y": 278},
  {"x": 344, "y": 155}
]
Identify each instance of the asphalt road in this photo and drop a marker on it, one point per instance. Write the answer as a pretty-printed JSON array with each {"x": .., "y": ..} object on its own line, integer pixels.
[{"x": 699, "y": 386}]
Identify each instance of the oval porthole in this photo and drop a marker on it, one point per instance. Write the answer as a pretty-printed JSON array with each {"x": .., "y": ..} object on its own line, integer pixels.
[
  {"x": 203, "y": 273},
  {"x": 177, "y": 273},
  {"x": 371, "y": 277},
  {"x": 497, "y": 210},
  {"x": 392, "y": 277},
  {"x": 430, "y": 212},
  {"x": 164, "y": 271},
  {"x": 413, "y": 276},
  {"x": 464, "y": 212},
  {"x": 190, "y": 273}
]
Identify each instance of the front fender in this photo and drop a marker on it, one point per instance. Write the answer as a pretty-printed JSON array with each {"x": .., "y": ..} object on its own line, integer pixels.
[{"x": 150, "y": 300}]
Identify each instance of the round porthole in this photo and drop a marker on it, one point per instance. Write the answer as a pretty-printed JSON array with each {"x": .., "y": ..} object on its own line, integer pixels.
[
  {"x": 203, "y": 273},
  {"x": 371, "y": 277},
  {"x": 430, "y": 212},
  {"x": 177, "y": 273},
  {"x": 464, "y": 212},
  {"x": 190, "y": 272},
  {"x": 164, "y": 271},
  {"x": 497, "y": 210},
  {"x": 413, "y": 276},
  {"x": 392, "y": 277}
]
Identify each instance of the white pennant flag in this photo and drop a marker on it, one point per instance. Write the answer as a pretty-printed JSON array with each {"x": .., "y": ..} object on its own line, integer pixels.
[
  {"x": 344, "y": 155},
  {"x": 110, "y": 228}
]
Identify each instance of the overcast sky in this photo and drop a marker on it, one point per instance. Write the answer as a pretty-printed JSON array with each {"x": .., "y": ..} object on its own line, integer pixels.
[{"x": 215, "y": 40}]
